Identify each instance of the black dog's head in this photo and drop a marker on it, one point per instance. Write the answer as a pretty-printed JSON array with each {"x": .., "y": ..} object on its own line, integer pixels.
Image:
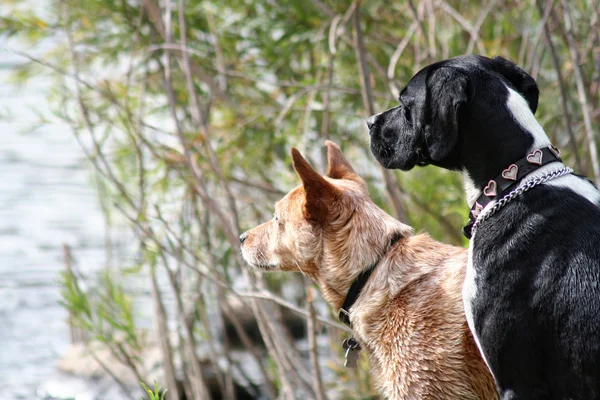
[{"x": 453, "y": 108}]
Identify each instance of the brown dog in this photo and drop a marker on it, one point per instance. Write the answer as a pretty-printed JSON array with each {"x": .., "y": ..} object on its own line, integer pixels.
[{"x": 409, "y": 316}]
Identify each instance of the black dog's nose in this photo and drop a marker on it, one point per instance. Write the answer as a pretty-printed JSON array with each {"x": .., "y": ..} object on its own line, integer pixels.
[
  {"x": 371, "y": 121},
  {"x": 243, "y": 237}
]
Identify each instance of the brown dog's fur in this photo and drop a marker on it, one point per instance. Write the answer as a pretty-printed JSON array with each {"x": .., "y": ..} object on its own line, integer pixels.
[{"x": 409, "y": 316}]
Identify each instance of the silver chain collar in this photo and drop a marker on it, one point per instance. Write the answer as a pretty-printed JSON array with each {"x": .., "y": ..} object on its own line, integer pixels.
[{"x": 516, "y": 192}]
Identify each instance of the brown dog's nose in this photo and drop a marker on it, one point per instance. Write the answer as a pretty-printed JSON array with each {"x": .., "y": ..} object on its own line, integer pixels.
[
  {"x": 243, "y": 237},
  {"x": 371, "y": 121}
]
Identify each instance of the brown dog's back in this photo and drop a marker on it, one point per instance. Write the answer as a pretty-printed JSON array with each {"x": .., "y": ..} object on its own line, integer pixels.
[{"x": 412, "y": 320}]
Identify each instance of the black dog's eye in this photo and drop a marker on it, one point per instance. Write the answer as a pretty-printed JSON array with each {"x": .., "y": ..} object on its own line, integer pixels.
[
  {"x": 406, "y": 112},
  {"x": 405, "y": 107}
]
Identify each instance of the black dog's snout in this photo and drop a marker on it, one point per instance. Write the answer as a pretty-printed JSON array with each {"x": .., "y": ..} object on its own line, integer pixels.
[
  {"x": 243, "y": 237},
  {"x": 371, "y": 121}
]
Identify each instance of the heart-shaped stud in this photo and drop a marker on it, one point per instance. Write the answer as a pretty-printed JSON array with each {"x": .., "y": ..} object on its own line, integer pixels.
[
  {"x": 535, "y": 157},
  {"x": 555, "y": 150},
  {"x": 490, "y": 189},
  {"x": 510, "y": 173},
  {"x": 477, "y": 210}
]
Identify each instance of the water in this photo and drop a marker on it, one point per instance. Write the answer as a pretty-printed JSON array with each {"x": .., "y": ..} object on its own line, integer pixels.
[{"x": 46, "y": 200}]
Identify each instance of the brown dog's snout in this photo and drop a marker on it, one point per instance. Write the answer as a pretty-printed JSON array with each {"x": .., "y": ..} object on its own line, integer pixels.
[{"x": 243, "y": 237}]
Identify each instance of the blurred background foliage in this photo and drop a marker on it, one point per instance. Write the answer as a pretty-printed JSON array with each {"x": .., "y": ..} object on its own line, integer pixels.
[{"x": 187, "y": 111}]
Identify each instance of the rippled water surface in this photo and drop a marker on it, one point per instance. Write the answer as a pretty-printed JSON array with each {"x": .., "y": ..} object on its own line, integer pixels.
[{"x": 46, "y": 200}]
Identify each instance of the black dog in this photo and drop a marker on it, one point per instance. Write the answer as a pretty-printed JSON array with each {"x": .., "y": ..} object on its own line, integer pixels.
[{"x": 532, "y": 292}]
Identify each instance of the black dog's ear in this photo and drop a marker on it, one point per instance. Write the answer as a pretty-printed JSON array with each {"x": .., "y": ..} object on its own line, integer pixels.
[
  {"x": 449, "y": 90},
  {"x": 520, "y": 80}
]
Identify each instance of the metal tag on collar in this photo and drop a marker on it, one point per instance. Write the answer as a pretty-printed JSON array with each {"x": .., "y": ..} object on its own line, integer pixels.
[
  {"x": 351, "y": 358},
  {"x": 352, "y": 348}
]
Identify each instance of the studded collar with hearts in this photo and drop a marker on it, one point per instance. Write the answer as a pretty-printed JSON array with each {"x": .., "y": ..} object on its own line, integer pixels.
[{"x": 501, "y": 184}]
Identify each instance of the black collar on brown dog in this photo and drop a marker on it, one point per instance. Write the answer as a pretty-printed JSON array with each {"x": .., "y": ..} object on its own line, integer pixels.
[
  {"x": 359, "y": 283},
  {"x": 500, "y": 185}
]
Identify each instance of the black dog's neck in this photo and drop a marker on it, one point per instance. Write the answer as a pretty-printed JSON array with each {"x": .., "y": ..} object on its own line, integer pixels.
[
  {"x": 509, "y": 179},
  {"x": 484, "y": 153}
]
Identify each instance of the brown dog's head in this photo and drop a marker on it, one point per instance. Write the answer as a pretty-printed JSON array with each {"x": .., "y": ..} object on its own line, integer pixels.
[{"x": 327, "y": 226}]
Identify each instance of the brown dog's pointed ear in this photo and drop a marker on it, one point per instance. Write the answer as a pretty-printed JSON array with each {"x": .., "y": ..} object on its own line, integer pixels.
[
  {"x": 317, "y": 190},
  {"x": 338, "y": 167}
]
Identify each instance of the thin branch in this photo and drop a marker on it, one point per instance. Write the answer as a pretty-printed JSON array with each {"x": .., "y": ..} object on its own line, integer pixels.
[
  {"x": 219, "y": 59},
  {"x": 308, "y": 108},
  {"x": 245, "y": 76},
  {"x": 276, "y": 299},
  {"x": 566, "y": 113},
  {"x": 199, "y": 120},
  {"x": 464, "y": 23},
  {"x": 263, "y": 187},
  {"x": 396, "y": 56},
  {"x": 525, "y": 35},
  {"x": 581, "y": 92},
  {"x": 163, "y": 336},
  {"x": 205, "y": 224},
  {"x": 106, "y": 369},
  {"x": 367, "y": 95},
  {"x": 326, "y": 106},
  {"x": 332, "y": 37},
  {"x": 443, "y": 221},
  {"x": 274, "y": 347},
  {"x": 199, "y": 181},
  {"x": 289, "y": 104},
  {"x": 197, "y": 380},
  {"x": 419, "y": 20},
  {"x": 540, "y": 31},
  {"x": 248, "y": 344},
  {"x": 313, "y": 349},
  {"x": 477, "y": 27},
  {"x": 153, "y": 10},
  {"x": 363, "y": 67}
]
